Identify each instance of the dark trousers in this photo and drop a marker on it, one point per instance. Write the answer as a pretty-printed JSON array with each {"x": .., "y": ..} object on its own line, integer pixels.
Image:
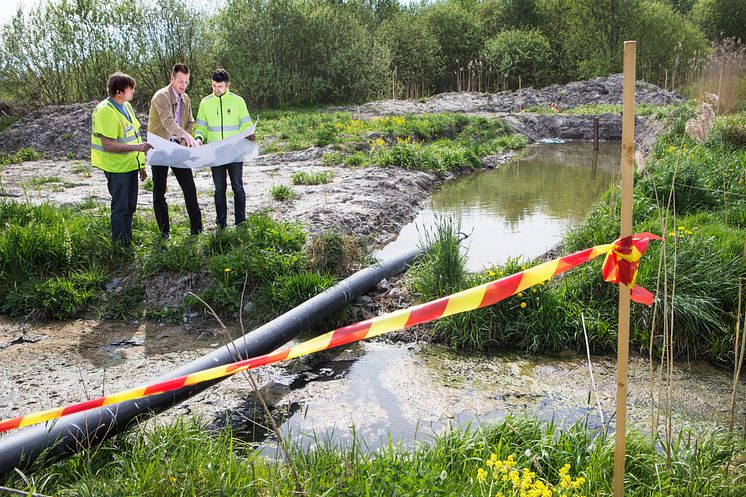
[
  {"x": 235, "y": 171},
  {"x": 186, "y": 182},
  {"x": 123, "y": 190}
]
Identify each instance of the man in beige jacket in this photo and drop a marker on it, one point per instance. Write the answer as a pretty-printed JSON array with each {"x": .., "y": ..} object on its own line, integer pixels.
[{"x": 171, "y": 118}]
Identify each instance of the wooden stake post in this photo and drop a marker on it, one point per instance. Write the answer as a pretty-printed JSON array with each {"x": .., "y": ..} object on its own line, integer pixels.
[{"x": 628, "y": 153}]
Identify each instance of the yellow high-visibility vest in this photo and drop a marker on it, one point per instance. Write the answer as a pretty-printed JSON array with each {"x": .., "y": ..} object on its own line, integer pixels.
[
  {"x": 109, "y": 122},
  {"x": 221, "y": 117}
]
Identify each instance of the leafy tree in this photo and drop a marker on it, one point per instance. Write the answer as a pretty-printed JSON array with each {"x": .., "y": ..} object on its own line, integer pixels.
[
  {"x": 588, "y": 35},
  {"x": 517, "y": 53},
  {"x": 290, "y": 52},
  {"x": 667, "y": 43},
  {"x": 501, "y": 15},
  {"x": 458, "y": 31},
  {"x": 721, "y": 18},
  {"x": 680, "y": 6},
  {"x": 415, "y": 53}
]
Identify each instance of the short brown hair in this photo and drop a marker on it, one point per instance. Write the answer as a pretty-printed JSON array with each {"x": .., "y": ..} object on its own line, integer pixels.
[
  {"x": 179, "y": 68},
  {"x": 118, "y": 82}
]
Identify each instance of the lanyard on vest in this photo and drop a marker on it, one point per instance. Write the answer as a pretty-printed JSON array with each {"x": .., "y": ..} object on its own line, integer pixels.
[{"x": 123, "y": 120}]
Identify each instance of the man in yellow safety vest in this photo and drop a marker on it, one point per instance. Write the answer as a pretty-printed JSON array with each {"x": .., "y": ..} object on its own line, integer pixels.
[
  {"x": 118, "y": 150},
  {"x": 221, "y": 115}
]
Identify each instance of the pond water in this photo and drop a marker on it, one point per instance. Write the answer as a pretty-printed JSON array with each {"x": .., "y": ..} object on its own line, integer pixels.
[{"x": 522, "y": 208}]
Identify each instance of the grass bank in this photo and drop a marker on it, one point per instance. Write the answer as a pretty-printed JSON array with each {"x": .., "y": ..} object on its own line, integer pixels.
[
  {"x": 56, "y": 262},
  {"x": 693, "y": 193},
  {"x": 438, "y": 143},
  {"x": 517, "y": 457}
]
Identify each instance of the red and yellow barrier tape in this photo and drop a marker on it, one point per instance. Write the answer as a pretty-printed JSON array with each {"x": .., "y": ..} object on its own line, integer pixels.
[{"x": 620, "y": 266}]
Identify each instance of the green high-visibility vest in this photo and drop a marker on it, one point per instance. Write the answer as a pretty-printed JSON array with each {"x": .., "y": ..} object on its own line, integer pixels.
[
  {"x": 109, "y": 122},
  {"x": 221, "y": 117}
]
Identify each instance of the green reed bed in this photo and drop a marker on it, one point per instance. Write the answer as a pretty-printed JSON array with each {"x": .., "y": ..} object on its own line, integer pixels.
[{"x": 516, "y": 457}]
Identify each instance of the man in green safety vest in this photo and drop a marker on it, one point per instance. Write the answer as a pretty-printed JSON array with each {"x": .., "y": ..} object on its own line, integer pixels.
[
  {"x": 118, "y": 150},
  {"x": 221, "y": 115}
]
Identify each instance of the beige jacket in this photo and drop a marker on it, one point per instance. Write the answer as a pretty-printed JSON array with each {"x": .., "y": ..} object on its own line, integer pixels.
[{"x": 161, "y": 120}]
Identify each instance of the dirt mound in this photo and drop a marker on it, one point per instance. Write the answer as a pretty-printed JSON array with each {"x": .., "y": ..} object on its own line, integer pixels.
[
  {"x": 63, "y": 132},
  {"x": 58, "y": 131},
  {"x": 604, "y": 90}
]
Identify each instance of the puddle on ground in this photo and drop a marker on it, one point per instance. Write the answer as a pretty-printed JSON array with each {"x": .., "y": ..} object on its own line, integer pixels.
[
  {"x": 411, "y": 392},
  {"x": 524, "y": 207}
]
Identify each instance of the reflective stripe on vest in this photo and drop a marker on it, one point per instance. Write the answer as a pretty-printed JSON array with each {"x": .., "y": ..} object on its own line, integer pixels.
[{"x": 221, "y": 117}]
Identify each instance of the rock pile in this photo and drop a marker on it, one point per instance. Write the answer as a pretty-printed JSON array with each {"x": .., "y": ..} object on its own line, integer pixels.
[
  {"x": 604, "y": 90},
  {"x": 58, "y": 131}
]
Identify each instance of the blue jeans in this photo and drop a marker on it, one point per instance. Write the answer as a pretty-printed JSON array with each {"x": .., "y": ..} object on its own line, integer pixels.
[
  {"x": 235, "y": 171},
  {"x": 123, "y": 190}
]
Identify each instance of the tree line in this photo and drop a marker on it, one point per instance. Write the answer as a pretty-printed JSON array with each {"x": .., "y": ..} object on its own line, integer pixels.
[{"x": 310, "y": 52}]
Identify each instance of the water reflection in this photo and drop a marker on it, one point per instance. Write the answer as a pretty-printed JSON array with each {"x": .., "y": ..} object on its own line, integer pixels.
[{"x": 522, "y": 208}]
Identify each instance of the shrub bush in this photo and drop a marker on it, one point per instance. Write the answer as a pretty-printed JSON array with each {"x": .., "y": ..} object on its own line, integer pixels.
[{"x": 517, "y": 53}]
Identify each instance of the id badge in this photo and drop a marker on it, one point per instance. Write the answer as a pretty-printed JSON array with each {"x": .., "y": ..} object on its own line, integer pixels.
[{"x": 129, "y": 129}]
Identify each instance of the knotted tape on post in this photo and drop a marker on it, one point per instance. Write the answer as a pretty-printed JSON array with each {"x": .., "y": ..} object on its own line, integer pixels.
[
  {"x": 620, "y": 266},
  {"x": 622, "y": 262}
]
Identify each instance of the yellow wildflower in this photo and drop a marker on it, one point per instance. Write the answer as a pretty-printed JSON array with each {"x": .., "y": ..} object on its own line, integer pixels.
[
  {"x": 481, "y": 474},
  {"x": 523, "y": 305},
  {"x": 227, "y": 270},
  {"x": 577, "y": 482},
  {"x": 681, "y": 228}
]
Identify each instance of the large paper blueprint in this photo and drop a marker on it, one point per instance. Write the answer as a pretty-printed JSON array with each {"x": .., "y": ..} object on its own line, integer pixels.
[{"x": 234, "y": 149}]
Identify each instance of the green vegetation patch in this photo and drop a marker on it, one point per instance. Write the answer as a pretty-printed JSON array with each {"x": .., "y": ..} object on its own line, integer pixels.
[
  {"x": 436, "y": 142},
  {"x": 514, "y": 457},
  {"x": 283, "y": 193},
  {"x": 7, "y": 121},
  {"x": 55, "y": 261},
  {"x": 312, "y": 178},
  {"x": 695, "y": 195},
  {"x": 24, "y": 154}
]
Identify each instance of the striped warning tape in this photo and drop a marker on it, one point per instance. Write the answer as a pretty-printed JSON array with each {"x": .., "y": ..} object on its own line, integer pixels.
[{"x": 620, "y": 266}]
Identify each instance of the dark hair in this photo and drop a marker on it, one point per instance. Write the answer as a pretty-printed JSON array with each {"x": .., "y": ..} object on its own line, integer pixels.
[
  {"x": 221, "y": 76},
  {"x": 179, "y": 68},
  {"x": 118, "y": 82}
]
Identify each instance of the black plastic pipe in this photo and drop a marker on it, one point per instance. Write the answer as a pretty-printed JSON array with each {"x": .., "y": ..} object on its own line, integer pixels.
[{"x": 66, "y": 436}]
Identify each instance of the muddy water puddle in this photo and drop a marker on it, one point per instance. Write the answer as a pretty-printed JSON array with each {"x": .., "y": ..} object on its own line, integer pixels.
[
  {"x": 522, "y": 208},
  {"x": 375, "y": 389},
  {"x": 381, "y": 390}
]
